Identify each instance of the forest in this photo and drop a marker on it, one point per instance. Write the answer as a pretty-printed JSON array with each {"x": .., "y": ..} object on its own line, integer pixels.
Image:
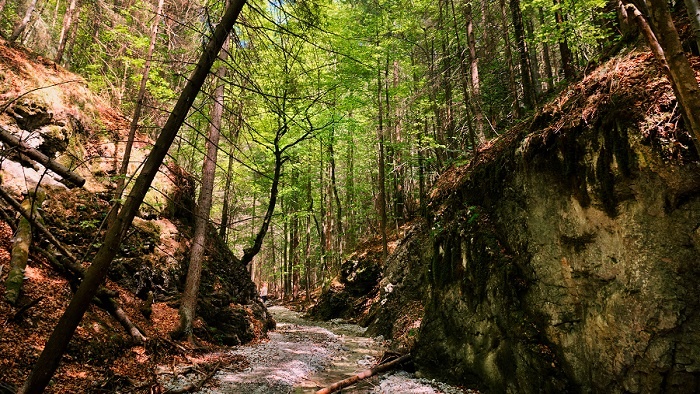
[{"x": 167, "y": 162}]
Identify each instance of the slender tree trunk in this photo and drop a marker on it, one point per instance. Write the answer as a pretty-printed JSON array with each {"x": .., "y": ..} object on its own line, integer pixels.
[
  {"x": 480, "y": 136},
  {"x": 693, "y": 8},
  {"x": 21, "y": 244},
  {"x": 340, "y": 230},
  {"x": 534, "y": 61},
  {"x": 545, "y": 56},
  {"x": 50, "y": 357},
  {"x": 307, "y": 249},
  {"x": 667, "y": 48},
  {"x": 126, "y": 158},
  {"x": 509, "y": 59},
  {"x": 350, "y": 195},
  {"x": 223, "y": 227},
  {"x": 67, "y": 25},
  {"x": 564, "y": 50},
  {"x": 381, "y": 181},
  {"x": 22, "y": 24},
  {"x": 525, "y": 74},
  {"x": 188, "y": 304},
  {"x": 250, "y": 252}
]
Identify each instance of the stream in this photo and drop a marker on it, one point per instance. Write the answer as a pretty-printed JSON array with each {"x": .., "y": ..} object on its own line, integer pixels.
[{"x": 302, "y": 356}]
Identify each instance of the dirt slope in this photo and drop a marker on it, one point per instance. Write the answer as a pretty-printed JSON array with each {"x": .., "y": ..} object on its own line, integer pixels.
[{"x": 55, "y": 112}]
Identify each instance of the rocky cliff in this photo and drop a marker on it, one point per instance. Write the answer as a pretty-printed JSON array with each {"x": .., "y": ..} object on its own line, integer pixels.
[{"x": 564, "y": 257}]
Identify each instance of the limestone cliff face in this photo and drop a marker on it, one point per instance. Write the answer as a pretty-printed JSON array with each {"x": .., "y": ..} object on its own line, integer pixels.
[{"x": 565, "y": 257}]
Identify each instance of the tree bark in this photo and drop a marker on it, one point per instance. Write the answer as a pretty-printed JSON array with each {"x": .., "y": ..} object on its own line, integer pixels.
[
  {"x": 188, "y": 305},
  {"x": 67, "y": 24},
  {"x": 509, "y": 59},
  {"x": 475, "y": 84},
  {"x": 55, "y": 347},
  {"x": 20, "y": 246},
  {"x": 693, "y": 8},
  {"x": 666, "y": 47},
  {"x": 70, "y": 178},
  {"x": 545, "y": 56},
  {"x": 381, "y": 164},
  {"x": 564, "y": 50},
  {"x": 525, "y": 73},
  {"x": 249, "y": 253},
  {"x": 22, "y": 24}
]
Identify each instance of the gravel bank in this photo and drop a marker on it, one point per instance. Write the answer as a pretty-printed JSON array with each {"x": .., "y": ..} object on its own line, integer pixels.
[{"x": 303, "y": 356}]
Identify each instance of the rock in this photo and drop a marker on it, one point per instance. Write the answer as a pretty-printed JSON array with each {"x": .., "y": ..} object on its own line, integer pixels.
[{"x": 30, "y": 113}]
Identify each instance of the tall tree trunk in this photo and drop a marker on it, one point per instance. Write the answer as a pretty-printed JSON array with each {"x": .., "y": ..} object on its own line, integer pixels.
[
  {"x": 509, "y": 59},
  {"x": 126, "y": 158},
  {"x": 250, "y": 252},
  {"x": 466, "y": 80},
  {"x": 22, "y": 24},
  {"x": 534, "y": 61},
  {"x": 381, "y": 180},
  {"x": 525, "y": 74},
  {"x": 667, "y": 48},
  {"x": 21, "y": 244},
  {"x": 339, "y": 228},
  {"x": 67, "y": 25},
  {"x": 49, "y": 359},
  {"x": 564, "y": 50},
  {"x": 226, "y": 209},
  {"x": 188, "y": 304},
  {"x": 545, "y": 55},
  {"x": 307, "y": 249},
  {"x": 475, "y": 84},
  {"x": 693, "y": 8},
  {"x": 223, "y": 227}
]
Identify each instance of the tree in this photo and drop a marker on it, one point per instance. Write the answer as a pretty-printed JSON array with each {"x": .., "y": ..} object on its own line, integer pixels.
[
  {"x": 188, "y": 303},
  {"x": 525, "y": 73},
  {"x": 22, "y": 24},
  {"x": 693, "y": 8},
  {"x": 67, "y": 25},
  {"x": 662, "y": 37},
  {"x": 58, "y": 342}
]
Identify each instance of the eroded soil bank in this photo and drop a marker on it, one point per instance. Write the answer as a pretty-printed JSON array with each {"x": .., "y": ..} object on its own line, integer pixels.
[{"x": 303, "y": 356}]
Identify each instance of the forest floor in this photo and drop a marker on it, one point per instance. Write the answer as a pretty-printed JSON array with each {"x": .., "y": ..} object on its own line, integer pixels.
[{"x": 302, "y": 356}]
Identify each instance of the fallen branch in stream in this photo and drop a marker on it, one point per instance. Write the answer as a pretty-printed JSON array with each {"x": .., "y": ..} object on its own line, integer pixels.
[{"x": 364, "y": 375}]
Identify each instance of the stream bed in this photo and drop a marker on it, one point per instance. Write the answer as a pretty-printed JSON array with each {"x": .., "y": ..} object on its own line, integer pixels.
[{"x": 302, "y": 356}]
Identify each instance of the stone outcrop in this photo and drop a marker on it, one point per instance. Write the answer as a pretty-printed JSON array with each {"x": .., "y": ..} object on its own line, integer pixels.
[{"x": 565, "y": 258}]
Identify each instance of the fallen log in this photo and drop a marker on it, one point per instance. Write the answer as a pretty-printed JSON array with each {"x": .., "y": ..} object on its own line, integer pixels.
[
  {"x": 71, "y": 177},
  {"x": 364, "y": 375},
  {"x": 20, "y": 246},
  {"x": 106, "y": 299}
]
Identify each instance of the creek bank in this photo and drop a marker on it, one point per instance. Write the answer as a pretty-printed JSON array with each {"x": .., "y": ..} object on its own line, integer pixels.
[{"x": 301, "y": 356}]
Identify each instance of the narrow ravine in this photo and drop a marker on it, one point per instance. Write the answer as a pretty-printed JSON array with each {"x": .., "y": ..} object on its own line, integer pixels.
[{"x": 303, "y": 356}]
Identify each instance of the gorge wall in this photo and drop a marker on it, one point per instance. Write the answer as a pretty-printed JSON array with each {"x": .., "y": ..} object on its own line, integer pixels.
[{"x": 564, "y": 258}]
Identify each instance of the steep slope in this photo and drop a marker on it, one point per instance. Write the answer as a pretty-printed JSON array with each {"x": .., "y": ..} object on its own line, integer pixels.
[{"x": 55, "y": 112}]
